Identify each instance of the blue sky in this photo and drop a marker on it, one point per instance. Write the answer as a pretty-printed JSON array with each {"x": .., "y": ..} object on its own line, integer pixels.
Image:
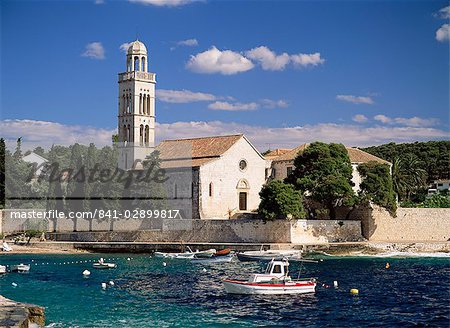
[{"x": 358, "y": 72}]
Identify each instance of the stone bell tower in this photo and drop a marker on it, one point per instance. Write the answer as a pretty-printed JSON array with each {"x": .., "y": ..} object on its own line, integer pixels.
[{"x": 136, "y": 119}]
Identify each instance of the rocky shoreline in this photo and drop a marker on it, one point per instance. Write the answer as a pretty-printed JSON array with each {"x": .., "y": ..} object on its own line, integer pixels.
[{"x": 20, "y": 315}]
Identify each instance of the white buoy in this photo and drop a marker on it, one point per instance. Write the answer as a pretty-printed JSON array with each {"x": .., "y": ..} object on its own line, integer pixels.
[
  {"x": 86, "y": 273},
  {"x": 104, "y": 285},
  {"x": 335, "y": 284},
  {"x": 204, "y": 270},
  {"x": 164, "y": 263},
  {"x": 111, "y": 283},
  {"x": 14, "y": 284},
  {"x": 128, "y": 259}
]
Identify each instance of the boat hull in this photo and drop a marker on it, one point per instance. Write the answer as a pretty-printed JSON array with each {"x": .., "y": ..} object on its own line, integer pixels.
[
  {"x": 268, "y": 257},
  {"x": 294, "y": 287},
  {"x": 104, "y": 265},
  {"x": 214, "y": 259},
  {"x": 181, "y": 256},
  {"x": 20, "y": 268}
]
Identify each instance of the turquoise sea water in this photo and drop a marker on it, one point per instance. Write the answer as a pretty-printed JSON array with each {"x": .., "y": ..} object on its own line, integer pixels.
[{"x": 412, "y": 292}]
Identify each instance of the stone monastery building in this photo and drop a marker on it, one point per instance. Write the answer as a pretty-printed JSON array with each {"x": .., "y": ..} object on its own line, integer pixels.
[{"x": 226, "y": 173}]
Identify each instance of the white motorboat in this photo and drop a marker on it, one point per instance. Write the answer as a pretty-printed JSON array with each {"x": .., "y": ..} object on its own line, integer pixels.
[
  {"x": 188, "y": 255},
  {"x": 275, "y": 280},
  {"x": 214, "y": 259},
  {"x": 2, "y": 269},
  {"x": 101, "y": 264},
  {"x": 267, "y": 255},
  {"x": 20, "y": 268}
]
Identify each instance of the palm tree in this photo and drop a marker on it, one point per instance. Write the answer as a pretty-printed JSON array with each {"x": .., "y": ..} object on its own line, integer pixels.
[{"x": 407, "y": 175}]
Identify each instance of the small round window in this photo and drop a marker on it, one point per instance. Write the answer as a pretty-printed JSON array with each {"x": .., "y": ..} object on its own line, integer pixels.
[{"x": 242, "y": 164}]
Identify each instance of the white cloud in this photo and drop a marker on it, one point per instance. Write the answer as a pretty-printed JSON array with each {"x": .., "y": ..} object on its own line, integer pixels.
[
  {"x": 183, "y": 96},
  {"x": 444, "y": 13},
  {"x": 47, "y": 133},
  {"x": 305, "y": 60},
  {"x": 382, "y": 118},
  {"x": 412, "y": 121},
  {"x": 225, "y": 105},
  {"x": 416, "y": 121},
  {"x": 44, "y": 133},
  {"x": 164, "y": 3},
  {"x": 360, "y": 118},
  {"x": 268, "y": 59},
  {"x": 289, "y": 137},
  {"x": 355, "y": 99},
  {"x": 443, "y": 33},
  {"x": 225, "y": 62},
  {"x": 124, "y": 46},
  {"x": 94, "y": 50},
  {"x": 188, "y": 43},
  {"x": 269, "y": 103}
]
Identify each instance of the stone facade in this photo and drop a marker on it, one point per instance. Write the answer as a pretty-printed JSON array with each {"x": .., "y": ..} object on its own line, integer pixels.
[{"x": 410, "y": 225}]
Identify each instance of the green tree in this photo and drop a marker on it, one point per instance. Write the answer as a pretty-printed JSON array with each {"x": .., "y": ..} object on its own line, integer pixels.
[
  {"x": 407, "y": 175},
  {"x": 376, "y": 185},
  {"x": 280, "y": 200},
  {"x": 324, "y": 173},
  {"x": 18, "y": 151},
  {"x": 437, "y": 201}
]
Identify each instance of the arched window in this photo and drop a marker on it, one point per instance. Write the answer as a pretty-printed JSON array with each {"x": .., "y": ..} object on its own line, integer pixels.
[
  {"x": 140, "y": 103},
  {"x": 131, "y": 104},
  {"x": 175, "y": 191},
  {"x": 129, "y": 133},
  {"x": 128, "y": 65},
  {"x": 211, "y": 189},
  {"x": 143, "y": 64},
  {"x": 141, "y": 135},
  {"x": 124, "y": 133},
  {"x": 124, "y": 106},
  {"x": 148, "y": 105},
  {"x": 147, "y": 135},
  {"x": 136, "y": 63}
]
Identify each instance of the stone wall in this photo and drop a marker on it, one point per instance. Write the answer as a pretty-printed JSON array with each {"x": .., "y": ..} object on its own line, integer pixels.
[
  {"x": 410, "y": 225},
  {"x": 324, "y": 231},
  {"x": 231, "y": 231}
]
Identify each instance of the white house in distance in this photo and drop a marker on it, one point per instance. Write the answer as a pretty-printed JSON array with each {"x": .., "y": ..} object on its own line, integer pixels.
[
  {"x": 37, "y": 159},
  {"x": 282, "y": 162}
]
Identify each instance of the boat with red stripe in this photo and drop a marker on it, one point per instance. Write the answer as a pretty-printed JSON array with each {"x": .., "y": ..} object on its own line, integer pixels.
[{"x": 275, "y": 280}]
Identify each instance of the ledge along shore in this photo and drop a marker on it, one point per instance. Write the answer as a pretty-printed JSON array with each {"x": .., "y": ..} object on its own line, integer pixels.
[
  {"x": 337, "y": 248},
  {"x": 20, "y": 315}
]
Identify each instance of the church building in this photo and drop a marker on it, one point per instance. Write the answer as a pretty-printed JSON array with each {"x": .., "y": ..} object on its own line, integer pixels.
[{"x": 216, "y": 177}]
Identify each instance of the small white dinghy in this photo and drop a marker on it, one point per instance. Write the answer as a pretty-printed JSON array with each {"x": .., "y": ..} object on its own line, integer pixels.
[
  {"x": 188, "y": 255},
  {"x": 101, "y": 264},
  {"x": 6, "y": 247},
  {"x": 275, "y": 280},
  {"x": 20, "y": 268},
  {"x": 2, "y": 269}
]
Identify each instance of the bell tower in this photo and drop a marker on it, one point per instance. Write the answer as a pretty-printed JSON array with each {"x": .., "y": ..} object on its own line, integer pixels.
[{"x": 136, "y": 119}]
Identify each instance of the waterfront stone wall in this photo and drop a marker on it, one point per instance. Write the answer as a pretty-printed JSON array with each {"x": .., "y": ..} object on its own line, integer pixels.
[
  {"x": 410, "y": 225},
  {"x": 231, "y": 231},
  {"x": 325, "y": 231}
]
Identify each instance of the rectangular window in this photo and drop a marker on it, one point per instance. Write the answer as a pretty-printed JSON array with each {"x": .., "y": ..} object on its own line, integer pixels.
[
  {"x": 242, "y": 201},
  {"x": 289, "y": 170}
]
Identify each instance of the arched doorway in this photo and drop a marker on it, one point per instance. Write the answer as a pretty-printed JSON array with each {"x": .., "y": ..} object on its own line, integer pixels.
[{"x": 243, "y": 188}]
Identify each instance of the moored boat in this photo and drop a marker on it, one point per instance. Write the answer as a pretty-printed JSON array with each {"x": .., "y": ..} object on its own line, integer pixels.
[
  {"x": 101, "y": 264},
  {"x": 189, "y": 254},
  {"x": 2, "y": 269},
  {"x": 214, "y": 259},
  {"x": 20, "y": 267},
  {"x": 268, "y": 255},
  {"x": 275, "y": 280}
]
